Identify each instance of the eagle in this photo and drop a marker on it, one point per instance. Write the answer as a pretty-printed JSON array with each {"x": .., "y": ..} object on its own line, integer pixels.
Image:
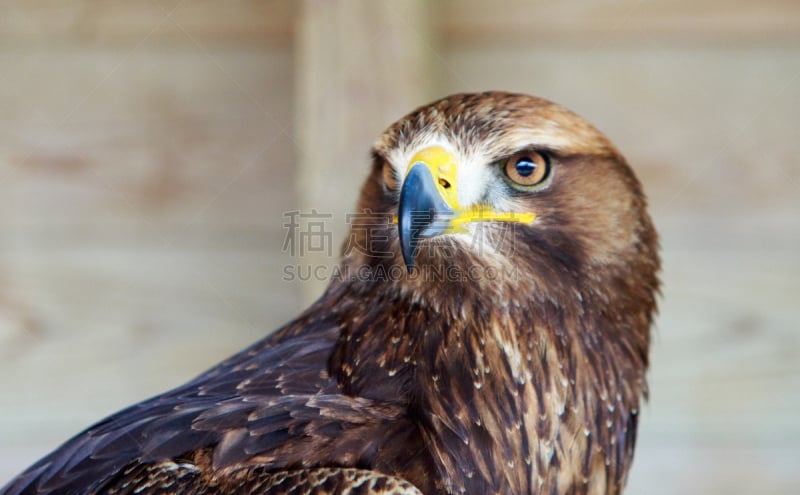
[{"x": 487, "y": 331}]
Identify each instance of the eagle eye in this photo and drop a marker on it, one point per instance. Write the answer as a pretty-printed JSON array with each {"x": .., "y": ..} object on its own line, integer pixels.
[{"x": 527, "y": 169}]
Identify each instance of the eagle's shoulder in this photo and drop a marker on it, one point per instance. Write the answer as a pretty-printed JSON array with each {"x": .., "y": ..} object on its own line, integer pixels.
[{"x": 271, "y": 405}]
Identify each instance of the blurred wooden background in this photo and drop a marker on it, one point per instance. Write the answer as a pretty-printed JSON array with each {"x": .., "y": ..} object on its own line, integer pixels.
[{"x": 149, "y": 149}]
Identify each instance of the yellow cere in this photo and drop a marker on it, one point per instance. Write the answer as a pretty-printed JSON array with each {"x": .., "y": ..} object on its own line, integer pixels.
[{"x": 444, "y": 170}]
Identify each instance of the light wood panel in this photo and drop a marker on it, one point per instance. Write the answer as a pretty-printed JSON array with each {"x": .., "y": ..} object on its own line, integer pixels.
[
  {"x": 514, "y": 22},
  {"x": 145, "y": 139},
  {"x": 689, "y": 468},
  {"x": 145, "y": 164},
  {"x": 245, "y": 22}
]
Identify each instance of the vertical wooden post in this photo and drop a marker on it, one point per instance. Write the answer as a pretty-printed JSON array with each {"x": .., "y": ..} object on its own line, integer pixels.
[{"x": 360, "y": 65}]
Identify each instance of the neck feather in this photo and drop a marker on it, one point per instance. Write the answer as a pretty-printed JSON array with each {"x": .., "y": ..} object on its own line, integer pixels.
[{"x": 512, "y": 396}]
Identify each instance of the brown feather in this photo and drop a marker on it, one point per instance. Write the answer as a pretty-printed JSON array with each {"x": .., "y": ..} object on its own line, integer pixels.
[{"x": 528, "y": 381}]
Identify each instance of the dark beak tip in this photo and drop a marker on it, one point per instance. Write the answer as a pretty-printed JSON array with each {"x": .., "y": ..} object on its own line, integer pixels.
[
  {"x": 408, "y": 259},
  {"x": 420, "y": 205}
]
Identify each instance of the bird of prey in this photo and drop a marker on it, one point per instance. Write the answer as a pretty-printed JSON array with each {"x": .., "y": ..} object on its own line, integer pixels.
[{"x": 490, "y": 335}]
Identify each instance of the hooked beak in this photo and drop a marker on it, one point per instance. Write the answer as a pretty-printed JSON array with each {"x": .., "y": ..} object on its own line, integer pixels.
[
  {"x": 422, "y": 214},
  {"x": 429, "y": 203}
]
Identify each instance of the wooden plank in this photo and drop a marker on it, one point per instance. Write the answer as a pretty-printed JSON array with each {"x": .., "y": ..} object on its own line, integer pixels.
[
  {"x": 689, "y": 468},
  {"x": 165, "y": 142},
  {"x": 34, "y": 22},
  {"x": 517, "y": 22},
  {"x": 143, "y": 180},
  {"x": 726, "y": 352},
  {"x": 360, "y": 66}
]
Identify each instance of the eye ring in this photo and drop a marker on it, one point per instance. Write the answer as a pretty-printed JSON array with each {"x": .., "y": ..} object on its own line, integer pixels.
[
  {"x": 389, "y": 176},
  {"x": 527, "y": 170}
]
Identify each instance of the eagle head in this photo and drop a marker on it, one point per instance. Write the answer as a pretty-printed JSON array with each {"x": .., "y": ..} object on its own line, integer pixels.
[{"x": 510, "y": 194}]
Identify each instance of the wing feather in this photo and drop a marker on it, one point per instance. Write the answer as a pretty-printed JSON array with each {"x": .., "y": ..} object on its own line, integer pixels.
[
  {"x": 170, "y": 478},
  {"x": 274, "y": 402}
]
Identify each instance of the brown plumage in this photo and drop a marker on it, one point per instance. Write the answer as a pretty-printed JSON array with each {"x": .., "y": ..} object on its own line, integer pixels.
[{"x": 510, "y": 360}]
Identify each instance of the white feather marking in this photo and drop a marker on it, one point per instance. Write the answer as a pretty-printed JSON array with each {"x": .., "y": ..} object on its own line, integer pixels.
[{"x": 474, "y": 175}]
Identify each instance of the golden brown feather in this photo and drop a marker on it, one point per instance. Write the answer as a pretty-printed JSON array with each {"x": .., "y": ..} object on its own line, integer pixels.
[{"x": 512, "y": 359}]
